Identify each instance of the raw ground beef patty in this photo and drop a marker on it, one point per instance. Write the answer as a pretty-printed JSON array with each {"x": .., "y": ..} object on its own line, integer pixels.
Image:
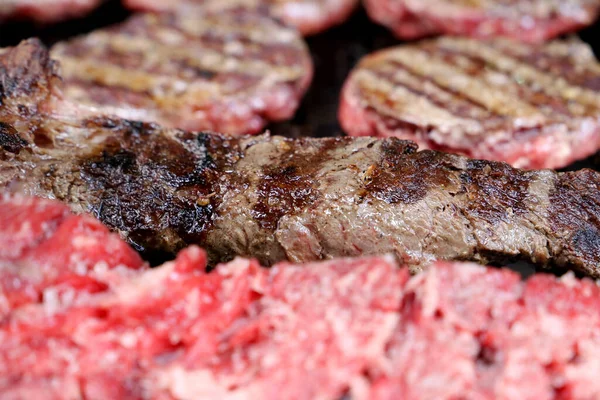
[
  {"x": 103, "y": 326},
  {"x": 531, "y": 106},
  {"x": 525, "y": 20},
  {"x": 230, "y": 71},
  {"x": 308, "y": 16}
]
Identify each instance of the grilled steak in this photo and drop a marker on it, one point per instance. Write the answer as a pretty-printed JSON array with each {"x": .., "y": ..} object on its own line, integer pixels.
[
  {"x": 229, "y": 71},
  {"x": 275, "y": 198},
  {"x": 45, "y": 10},
  {"x": 359, "y": 329},
  {"x": 524, "y": 20},
  {"x": 531, "y": 106},
  {"x": 308, "y": 16}
]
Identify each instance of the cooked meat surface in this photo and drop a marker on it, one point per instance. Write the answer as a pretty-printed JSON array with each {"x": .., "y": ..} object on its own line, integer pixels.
[
  {"x": 525, "y": 20},
  {"x": 308, "y": 16},
  {"x": 45, "y": 11},
  {"x": 348, "y": 328},
  {"x": 231, "y": 71},
  {"x": 282, "y": 199},
  {"x": 531, "y": 106}
]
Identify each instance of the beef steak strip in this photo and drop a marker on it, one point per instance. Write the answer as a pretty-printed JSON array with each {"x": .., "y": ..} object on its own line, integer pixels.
[
  {"x": 531, "y": 106},
  {"x": 533, "y": 21},
  {"x": 347, "y": 328},
  {"x": 232, "y": 71},
  {"x": 282, "y": 199},
  {"x": 46, "y": 11},
  {"x": 308, "y": 16}
]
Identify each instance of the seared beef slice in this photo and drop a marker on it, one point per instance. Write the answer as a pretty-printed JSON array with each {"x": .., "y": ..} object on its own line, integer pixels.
[{"x": 282, "y": 199}]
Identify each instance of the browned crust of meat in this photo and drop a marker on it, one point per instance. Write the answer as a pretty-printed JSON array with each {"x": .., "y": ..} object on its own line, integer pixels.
[
  {"x": 275, "y": 198},
  {"x": 534, "y": 107}
]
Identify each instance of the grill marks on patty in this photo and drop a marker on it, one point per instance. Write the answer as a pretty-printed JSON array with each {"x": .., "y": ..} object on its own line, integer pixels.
[
  {"x": 459, "y": 94},
  {"x": 308, "y": 16},
  {"x": 178, "y": 70}
]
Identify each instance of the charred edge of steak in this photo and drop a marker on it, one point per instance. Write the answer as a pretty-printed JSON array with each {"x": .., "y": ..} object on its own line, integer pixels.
[
  {"x": 10, "y": 139},
  {"x": 160, "y": 191},
  {"x": 575, "y": 219}
]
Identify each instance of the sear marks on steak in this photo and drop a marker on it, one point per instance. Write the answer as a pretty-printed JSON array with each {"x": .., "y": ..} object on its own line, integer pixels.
[
  {"x": 308, "y": 16},
  {"x": 231, "y": 71},
  {"x": 46, "y": 11},
  {"x": 533, "y": 21},
  {"x": 348, "y": 328},
  {"x": 531, "y": 106},
  {"x": 277, "y": 199}
]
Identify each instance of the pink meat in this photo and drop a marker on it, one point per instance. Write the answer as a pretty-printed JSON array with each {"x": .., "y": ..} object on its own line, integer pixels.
[
  {"x": 226, "y": 70},
  {"x": 360, "y": 328},
  {"x": 532, "y": 106},
  {"x": 46, "y": 11},
  {"x": 524, "y": 20},
  {"x": 44, "y": 250},
  {"x": 308, "y": 16}
]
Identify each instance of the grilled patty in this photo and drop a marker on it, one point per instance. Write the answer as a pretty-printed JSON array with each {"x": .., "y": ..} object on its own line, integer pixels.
[
  {"x": 308, "y": 16},
  {"x": 45, "y": 11},
  {"x": 230, "y": 71},
  {"x": 524, "y": 20},
  {"x": 531, "y": 106},
  {"x": 275, "y": 198}
]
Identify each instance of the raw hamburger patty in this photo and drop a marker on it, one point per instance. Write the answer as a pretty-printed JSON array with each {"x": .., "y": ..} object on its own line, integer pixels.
[
  {"x": 524, "y": 20},
  {"x": 283, "y": 199},
  {"x": 531, "y": 106},
  {"x": 358, "y": 329},
  {"x": 308, "y": 16},
  {"x": 229, "y": 71},
  {"x": 45, "y": 11}
]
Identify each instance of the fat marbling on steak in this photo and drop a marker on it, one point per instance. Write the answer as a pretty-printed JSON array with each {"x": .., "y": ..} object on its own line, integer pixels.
[
  {"x": 531, "y": 106},
  {"x": 45, "y": 11},
  {"x": 308, "y": 16},
  {"x": 347, "y": 328},
  {"x": 231, "y": 71},
  {"x": 525, "y": 20},
  {"x": 277, "y": 199}
]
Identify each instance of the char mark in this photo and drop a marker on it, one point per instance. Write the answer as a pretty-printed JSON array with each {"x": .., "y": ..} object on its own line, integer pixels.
[
  {"x": 160, "y": 191},
  {"x": 292, "y": 185},
  {"x": 495, "y": 191},
  {"x": 574, "y": 217},
  {"x": 404, "y": 175},
  {"x": 10, "y": 140}
]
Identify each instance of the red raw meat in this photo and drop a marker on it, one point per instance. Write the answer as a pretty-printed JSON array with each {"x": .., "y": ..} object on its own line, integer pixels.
[
  {"x": 525, "y": 20},
  {"x": 356, "y": 328},
  {"x": 45, "y": 250}
]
